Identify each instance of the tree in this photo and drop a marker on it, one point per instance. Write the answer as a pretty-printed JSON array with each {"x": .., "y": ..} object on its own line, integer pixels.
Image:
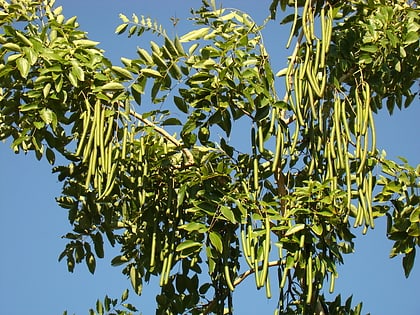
[{"x": 286, "y": 204}]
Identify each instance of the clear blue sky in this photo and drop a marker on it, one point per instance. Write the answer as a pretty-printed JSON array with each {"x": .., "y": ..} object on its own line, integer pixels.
[{"x": 33, "y": 282}]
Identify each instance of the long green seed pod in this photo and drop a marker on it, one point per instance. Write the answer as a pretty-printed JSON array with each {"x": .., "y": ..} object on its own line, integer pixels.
[
  {"x": 227, "y": 277},
  {"x": 266, "y": 253}
]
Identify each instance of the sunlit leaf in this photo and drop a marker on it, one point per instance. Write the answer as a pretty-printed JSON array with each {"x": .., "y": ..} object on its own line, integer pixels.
[
  {"x": 216, "y": 241},
  {"x": 188, "y": 244},
  {"x": 23, "y": 67},
  {"x": 112, "y": 86},
  {"x": 151, "y": 73},
  {"x": 193, "y": 35},
  {"x": 294, "y": 229}
]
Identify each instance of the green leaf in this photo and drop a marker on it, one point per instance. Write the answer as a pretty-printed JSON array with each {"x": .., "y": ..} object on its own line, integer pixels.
[
  {"x": 112, "y": 86},
  {"x": 11, "y": 46},
  {"x": 281, "y": 72},
  {"x": 48, "y": 116},
  {"x": 130, "y": 307},
  {"x": 85, "y": 43},
  {"x": 124, "y": 296},
  {"x": 216, "y": 241},
  {"x": 136, "y": 94},
  {"x": 145, "y": 56},
  {"x": 408, "y": 262},
  {"x": 171, "y": 122},
  {"x": 122, "y": 72},
  {"x": 188, "y": 244},
  {"x": 195, "y": 34},
  {"x": 91, "y": 262},
  {"x": 411, "y": 38},
  {"x": 369, "y": 48},
  {"x": 73, "y": 79},
  {"x": 294, "y": 229},
  {"x": 151, "y": 73},
  {"x": 317, "y": 229},
  {"x": 98, "y": 244},
  {"x": 50, "y": 156},
  {"x": 107, "y": 302},
  {"x": 124, "y": 18},
  {"x": 78, "y": 72},
  {"x": 119, "y": 260},
  {"x": 180, "y": 103},
  {"x": 194, "y": 226},
  {"x": 121, "y": 28},
  {"x": 99, "y": 307},
  {"x": 46, "y": 90},
  {"x": 23, "y": 67},
  {"x": 228, "y": 213}
]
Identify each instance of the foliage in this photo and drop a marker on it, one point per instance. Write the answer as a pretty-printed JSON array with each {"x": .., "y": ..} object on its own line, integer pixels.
[
  {"x": 286, "y": 200},
  {"x": 109, "y": 306}
]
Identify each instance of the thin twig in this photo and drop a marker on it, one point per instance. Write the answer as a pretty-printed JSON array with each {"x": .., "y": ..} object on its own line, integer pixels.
[
  {"x": 243, "y": 276},
  {"x": 166, "y": 135}
]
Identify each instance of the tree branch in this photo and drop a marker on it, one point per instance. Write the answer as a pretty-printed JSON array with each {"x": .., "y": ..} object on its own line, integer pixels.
[
  {"x": 166, "y": 135},
  {"x": 163, "y": 133},
  {"x": 243, "y": 276}
]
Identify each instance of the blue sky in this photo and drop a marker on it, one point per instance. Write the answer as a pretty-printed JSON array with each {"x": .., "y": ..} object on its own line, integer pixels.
[{"x": 32, "y": 281}]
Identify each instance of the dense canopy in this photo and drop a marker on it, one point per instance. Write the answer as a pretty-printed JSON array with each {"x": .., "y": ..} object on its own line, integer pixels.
[{"x": 150, "y": 167}]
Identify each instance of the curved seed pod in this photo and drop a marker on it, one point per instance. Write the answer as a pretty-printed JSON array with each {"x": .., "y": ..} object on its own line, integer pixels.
[
  {"x": 311, "y": 101},
  {"x": 298, "y": 98},
  {"x": 110, "y": 182},
  {"x": 366, "y": 110},
  {"x": 246, "y": 248},
  {"x": 163, "y": 273},
  {"x": 169, "y": 267},
  {"x": 284, "y": 277},
  {"x": 266, "y": 253},
  {"x": 251, "y": 244},
  {"x": 109, "y": 151},
  {"x": 295, "y": 138},
  {"x": 337, "y": 122},
  {"x": 318, "y": 51},
  {"x": 97, "y": 117},
  {"x": 124, "y": 142},
  {"x": 292, "y": 31},
  {"x": 369, "y": 189},
  {"x": 227, "y": 278},
  {"x": 344, "y": 119},
  {"x": 260, "y": 139},
  {"x": 332, "y": 283},
  {"x": 86, "y": 125},
  {"x": 326, "y": 30},
  {"x": 364, "y": 153},
  {"x": 309, "y": 279},
  {"x": 268, "y": 288},
  {"x": 153, "y": 249},
  {"x": 306, "y": 21},
  {"x": 332, "y": 141},
  {"x": 312, "y": 79},
  {"x": 87, "y": 149},
  {"x": 257, "y": 277},
  {"x": 373, "y": 133},
  {"x": 324, "y": 37},
  {"x": 279, "y": 149},
  {"x": 102, "y": 138},
  {"x": 91, "y": 168},
  {"x": 358, "y": 146},
  {"x": 256, "y": 175},
  {"x": 302, "y": 68}
]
